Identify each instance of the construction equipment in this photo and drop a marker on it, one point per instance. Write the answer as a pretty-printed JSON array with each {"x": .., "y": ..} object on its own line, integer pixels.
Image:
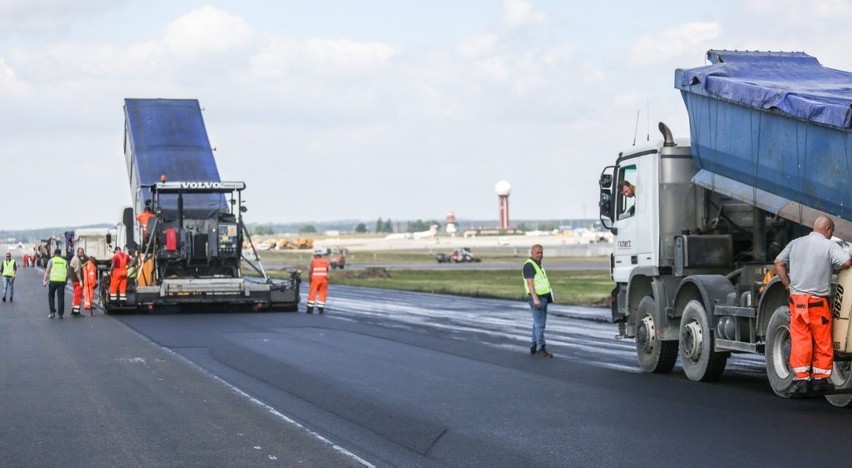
[
  {"x": 462, "y": 255},
  {"x": 694, "y": 245},
  {"x": 45, "y": 248},
  {"x": 191, "y": 251}
]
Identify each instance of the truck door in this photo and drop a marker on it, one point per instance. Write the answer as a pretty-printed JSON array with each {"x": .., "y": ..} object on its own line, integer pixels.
[{"x": 634, "y": 215}]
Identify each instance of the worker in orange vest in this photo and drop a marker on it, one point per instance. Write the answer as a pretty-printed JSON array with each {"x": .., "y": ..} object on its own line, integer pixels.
[
  {"x": 90, "y": 281},
  {"x": 118, "y": 277},
  {"x": 318, "y": 279},
  {"x": 143, "y": 219}
]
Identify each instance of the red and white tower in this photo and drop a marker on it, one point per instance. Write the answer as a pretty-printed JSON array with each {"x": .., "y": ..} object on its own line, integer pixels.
[
  {"x": 451, "y": 222},
  {"x": 503, "y": 190}
]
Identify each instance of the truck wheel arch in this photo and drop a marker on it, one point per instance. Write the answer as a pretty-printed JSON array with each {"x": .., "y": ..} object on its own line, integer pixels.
[
  {"x": 774, "y": 296},
  {"x": 708, "y": 289}
]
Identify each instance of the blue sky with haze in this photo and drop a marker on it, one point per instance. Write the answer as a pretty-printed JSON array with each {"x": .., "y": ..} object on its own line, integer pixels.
[{"x": 365, "y": 109}]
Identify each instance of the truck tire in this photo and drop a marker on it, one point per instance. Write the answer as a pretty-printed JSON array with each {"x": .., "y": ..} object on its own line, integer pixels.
[
  {"x": 841, "y": 377},
  {"x": 700, "y": 363},
  {"x": 655, "y": 356},
  {"x": 778, "y": 352}
]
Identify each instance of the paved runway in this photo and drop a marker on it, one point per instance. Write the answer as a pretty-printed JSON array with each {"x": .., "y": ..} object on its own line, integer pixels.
[{"x": 92, "y": 392}]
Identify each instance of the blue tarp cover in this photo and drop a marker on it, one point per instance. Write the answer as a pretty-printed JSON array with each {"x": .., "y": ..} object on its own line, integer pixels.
[
  {"x": 793, "y": 83},
  {"x": 168, "y": 137}
]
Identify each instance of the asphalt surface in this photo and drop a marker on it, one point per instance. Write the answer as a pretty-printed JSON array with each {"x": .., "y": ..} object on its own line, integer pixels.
[
  {"x": 92, "y": 392},
  {"x": 384, "y": 378}
]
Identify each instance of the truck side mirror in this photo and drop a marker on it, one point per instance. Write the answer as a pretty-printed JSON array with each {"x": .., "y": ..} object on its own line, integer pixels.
[
  {"x": 605, "y": 204},
  {"x": 605, "y": 181},
  {"x": 109, "y": 238}
]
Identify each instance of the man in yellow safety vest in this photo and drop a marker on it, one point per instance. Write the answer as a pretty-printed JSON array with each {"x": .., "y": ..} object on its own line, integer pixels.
[
  {"x": 56, "y": 274},
  {"x": 539, "y": 294}
]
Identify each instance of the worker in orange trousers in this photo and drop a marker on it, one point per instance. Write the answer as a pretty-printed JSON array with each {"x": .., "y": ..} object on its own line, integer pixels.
[
  {"x": 90, "y": 281},
  {"x": 318, "y": 278},
  {"x": 118, "y": 277}
]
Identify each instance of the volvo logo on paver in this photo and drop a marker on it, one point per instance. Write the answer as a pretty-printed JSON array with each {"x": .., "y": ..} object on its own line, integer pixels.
[{"x": 205, "y": 185}]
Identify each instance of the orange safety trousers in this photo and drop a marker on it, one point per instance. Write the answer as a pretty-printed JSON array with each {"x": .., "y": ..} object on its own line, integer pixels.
[
  {"x": 78, "y": 296},
  {"x": 90, "y": 280},
  {"x": 318, "y": 291},
  {"x": 811, "y": 350},
  {"x": 118, "y": 284}
]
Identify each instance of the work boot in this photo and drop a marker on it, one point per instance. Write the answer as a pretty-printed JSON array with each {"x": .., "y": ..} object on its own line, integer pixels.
[
  {"x": 799, "y": 388},
  {"x": 310, "y": 310},
  {"x": 321, "y": 310},
  {"x": 821, "y": 386},
  {"x": 533, "y": 349},
  {"x": 4, "y": 298},
  {"x": 544, "y": 353}
]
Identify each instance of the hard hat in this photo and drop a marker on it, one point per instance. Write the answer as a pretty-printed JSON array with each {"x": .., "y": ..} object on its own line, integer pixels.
[{"x": 319, "y": 251}]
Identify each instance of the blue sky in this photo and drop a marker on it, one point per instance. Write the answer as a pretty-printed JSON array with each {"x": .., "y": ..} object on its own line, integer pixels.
[{"x": 365, "y": 109}]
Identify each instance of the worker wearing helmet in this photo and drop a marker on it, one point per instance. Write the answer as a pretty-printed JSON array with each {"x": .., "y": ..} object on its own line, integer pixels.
[{"x": 318, "y": 279}]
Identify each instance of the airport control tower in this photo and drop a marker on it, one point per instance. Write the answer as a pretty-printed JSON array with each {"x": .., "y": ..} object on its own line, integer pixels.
[
  {"x": 451, "y": 222},
  {"x": 503, "y": 190}
]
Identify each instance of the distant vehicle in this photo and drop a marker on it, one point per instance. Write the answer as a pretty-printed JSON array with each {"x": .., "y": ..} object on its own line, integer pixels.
[
  {"x": 463, "y": 255},
  {"x": 337, "y": 258}
]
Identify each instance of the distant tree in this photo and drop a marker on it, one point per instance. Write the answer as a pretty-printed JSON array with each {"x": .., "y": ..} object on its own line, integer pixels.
[
  {"x": 523, "y": 227},
  {"x": 388, "y": 227},
  {"x": 414, "y": 226},
  {"x": 380, "y": 225},
  {"x": 262, "y": 230},
  {"x": 307, "y": 229},
  {"x": 361, "y": 228},
  {"x": 420, "y": 225}
]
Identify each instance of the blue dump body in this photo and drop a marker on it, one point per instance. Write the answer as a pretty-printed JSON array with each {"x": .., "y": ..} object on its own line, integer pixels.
[
  {"x": 775, "y": 121},
  {"x": 168, "y": 137}
]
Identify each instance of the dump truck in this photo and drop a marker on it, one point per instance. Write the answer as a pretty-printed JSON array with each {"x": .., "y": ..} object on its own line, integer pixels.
[
  {"x": 769, "y": 137},
  {"x": 45, "y": 248},
  {"x": 190, "y": 252}
]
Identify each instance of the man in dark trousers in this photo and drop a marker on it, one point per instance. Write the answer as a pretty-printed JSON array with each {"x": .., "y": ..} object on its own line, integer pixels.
[
  {"x": 539, "y": 294},
  {"x": 55, "y": 276}
]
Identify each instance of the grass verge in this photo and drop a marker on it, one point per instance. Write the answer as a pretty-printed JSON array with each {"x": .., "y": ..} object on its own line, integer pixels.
[{"x": 579, "y": 287}]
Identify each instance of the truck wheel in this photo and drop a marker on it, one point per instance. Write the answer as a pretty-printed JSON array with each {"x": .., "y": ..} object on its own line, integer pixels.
[
  {"x": 699, "y": 361},
  {"x": 778, "y": 352},
  {"x": 841, "y": 377},
  {"x": 654, "y": 355}
]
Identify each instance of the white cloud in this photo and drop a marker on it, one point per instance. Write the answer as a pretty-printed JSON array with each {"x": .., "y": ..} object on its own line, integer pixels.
[
  {"x": 281, "y": 57},
  {"x": 797, "y": 11},
  {"x": 675, "y": 42},
  {"x": 206, "y": 30},
  {"x": 520, "y": 13},
  {"x": 477, "y": 45},
  {"x": 46, "y": 16}
]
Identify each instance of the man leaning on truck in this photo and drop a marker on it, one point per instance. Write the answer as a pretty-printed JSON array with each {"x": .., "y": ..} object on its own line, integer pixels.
[{"x": 805, "y": 267}]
